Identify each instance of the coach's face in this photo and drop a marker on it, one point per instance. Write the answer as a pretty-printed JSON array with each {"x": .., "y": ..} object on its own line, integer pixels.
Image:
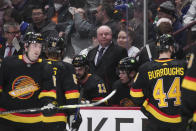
[{"x": 104, "y": 35}]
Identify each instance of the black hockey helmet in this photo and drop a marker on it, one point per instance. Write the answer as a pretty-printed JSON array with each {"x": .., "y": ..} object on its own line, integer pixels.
[
  {"x": 32, "y": 37},
  {"x": 165, "y": 41},
  {"x": 55, "y": 45},
  {"x": 128, "y": 64},
  {"x": 79, "y": 60}
]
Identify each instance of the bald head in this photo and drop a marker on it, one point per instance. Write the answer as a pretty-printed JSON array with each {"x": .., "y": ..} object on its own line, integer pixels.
[{"x": 104, "y": 35}]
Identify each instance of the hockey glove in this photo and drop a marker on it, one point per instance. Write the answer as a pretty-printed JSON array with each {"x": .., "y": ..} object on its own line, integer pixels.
[
  {"x": 75, "y": 122},
  {"x": 49, "y": 109}
]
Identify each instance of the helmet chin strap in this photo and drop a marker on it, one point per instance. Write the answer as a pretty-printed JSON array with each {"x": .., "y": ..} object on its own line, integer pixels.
[{"x": 29, "y": 58}]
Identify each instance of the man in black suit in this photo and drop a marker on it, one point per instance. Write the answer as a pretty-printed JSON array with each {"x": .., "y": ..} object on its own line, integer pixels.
[
  {"x": 104, "y": 58},
  {"x": 11, "y": 32}
]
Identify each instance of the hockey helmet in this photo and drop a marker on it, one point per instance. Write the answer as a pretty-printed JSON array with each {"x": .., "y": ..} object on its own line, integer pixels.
[
  {"x": 165, "y": 41},
  {"x": 55, "y": 44},
  {"x": 128, "y": 64},
  {"x": 32, "y": 38},
  {"x": 79, "y": 60}
]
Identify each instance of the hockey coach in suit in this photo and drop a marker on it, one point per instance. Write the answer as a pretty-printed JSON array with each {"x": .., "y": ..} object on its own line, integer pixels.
[{"x": 104, "y": 58}]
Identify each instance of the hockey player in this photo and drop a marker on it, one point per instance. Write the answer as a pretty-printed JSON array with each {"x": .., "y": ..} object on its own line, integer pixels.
[
  {"x": 21, "y": 79},
  {"x": 127, "y": 69},
  {"x": 64, "y": 90},
  {"x": 189, "y": 93},
  {"x": 157, "y": 88},
  {"x": 92, "y": 87}
]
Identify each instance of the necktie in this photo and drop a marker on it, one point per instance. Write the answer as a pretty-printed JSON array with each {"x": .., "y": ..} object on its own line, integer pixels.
[
  {"x": 100, "y": 55},
  {"x": 10, "y": 51}
]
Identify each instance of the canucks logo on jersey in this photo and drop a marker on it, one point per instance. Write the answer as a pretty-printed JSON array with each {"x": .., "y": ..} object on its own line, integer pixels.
[{"x": 23, "y": 87}]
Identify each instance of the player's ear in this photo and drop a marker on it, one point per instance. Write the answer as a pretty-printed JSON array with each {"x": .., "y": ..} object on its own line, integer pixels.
[
  {"x": 132, "y": 74},
  {"x": 171, "y": 48},
  {"x": 25, "y": 47}
]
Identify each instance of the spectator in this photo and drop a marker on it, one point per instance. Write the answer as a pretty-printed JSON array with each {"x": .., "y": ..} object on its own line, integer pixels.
[
  {"x": 79, "y": 39},
  {"x": 150, "y": 52},
  {"x": 103, "y": 16},
  {"x": 191, "y": 17},
  {"x": 12, "y": 45},
  {"x": 22, "y": 9},
  {"x": 94, "y": 42},
  {"x": 136, "y": 23},
  {"x": 104, "y": 58},
  {"x": 49, "y": 7},
  {"x": 125, "y": 40},
  {"x": 3, "y": 6},
  {"x": 61, "y": 13},
  {"x": 157, "y": 88},
  {"x": 92, "y": 87},
  {"x": 127, "y": 69},
  {"x": 168, "y": 10},
  {"x": 7, "y": 16},
  {"x": 41, "y": 24}
]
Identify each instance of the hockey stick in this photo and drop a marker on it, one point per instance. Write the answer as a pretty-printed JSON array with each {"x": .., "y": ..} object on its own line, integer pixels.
[
  {"x": 149, "y": 52},
  {"x": 60, "y": 107}
]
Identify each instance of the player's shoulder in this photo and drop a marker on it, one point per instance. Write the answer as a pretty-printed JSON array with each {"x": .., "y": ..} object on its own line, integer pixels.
[
  {"x": 11, "y": 60},
  {"x": 95, "y": 78},
  {"x": 179, "y": 62},
  {"x": 117, "y": 84},
  {"x": 146, "y": 66}
]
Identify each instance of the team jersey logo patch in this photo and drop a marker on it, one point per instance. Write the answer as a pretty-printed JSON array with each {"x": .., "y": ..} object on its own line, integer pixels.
[{"x": 23, "y": 87}]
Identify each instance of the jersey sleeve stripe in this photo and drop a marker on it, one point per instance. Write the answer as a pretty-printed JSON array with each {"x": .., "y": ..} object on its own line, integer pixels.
[
  {"x": 160, "y": 115},
  {"x": 189, "y": 83},
  {"x": 164, "y": 60},
  {"x": 72, "y": 94},
  {"x": 97, "y": 98},
  {"x": 136, "y": 92},
  {"x": 58, "y": 117},
  {"x": 44, "y": 93},
  {"x": 194, "y": 116},
  {"x": 22, "y": 118},
  {"x": 1, "y": 89}
]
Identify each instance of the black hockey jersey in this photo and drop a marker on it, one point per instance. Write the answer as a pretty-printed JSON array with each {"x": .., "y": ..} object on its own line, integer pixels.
[
  {"x": 20, "y": 85},
  {"x": 189, "y": 91},
  {"x": 93, "y": 88},
  {"x": 157, "y": 89},
  {"x": 122, "y": 96},
  {"x": 64, "y": 90}
]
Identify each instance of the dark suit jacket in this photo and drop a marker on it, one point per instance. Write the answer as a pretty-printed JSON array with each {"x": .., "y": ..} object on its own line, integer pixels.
[
  {"x": 106, "y": 68},
  {"x": 2, "y": 51}
]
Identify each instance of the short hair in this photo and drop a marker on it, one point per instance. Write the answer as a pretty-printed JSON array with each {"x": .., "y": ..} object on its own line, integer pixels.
[
  {"x": 9, "y": 24},
  {"x": 165, "y": 28},
  {"x": 130, "y": 33},
  {"x": 108, "y": 9},
  {"x": 39, "y": 7}
]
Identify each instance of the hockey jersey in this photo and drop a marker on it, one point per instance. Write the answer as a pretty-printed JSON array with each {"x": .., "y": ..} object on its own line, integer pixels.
[
  {"x": 189, "y": 91},
  {"x": 157, "y": 88},
  {"x": 93, "y": 88},
  {"x": 64, "y": 90},
  {"x": 20, "y": 85},
  {"x": 122, "y": 96}
]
